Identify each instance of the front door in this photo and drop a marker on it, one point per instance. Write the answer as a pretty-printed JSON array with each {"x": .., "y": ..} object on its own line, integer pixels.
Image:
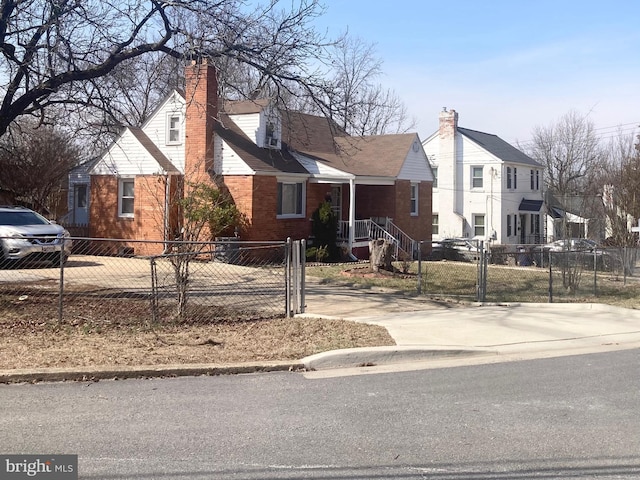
[
  {"x": 80, "y": 204},
  {"x": 523, "y": 229}
]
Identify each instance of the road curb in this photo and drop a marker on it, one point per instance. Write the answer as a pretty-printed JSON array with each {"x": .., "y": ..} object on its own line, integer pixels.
[
  {"x": 93, "y": 374},
  {"x": 371, "y": 356}
]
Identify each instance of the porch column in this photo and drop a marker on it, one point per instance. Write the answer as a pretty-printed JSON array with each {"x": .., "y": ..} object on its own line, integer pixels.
[{"x": 352, "y": 213}]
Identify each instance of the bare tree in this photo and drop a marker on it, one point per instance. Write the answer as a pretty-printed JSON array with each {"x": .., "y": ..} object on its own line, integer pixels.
[
  {"x": 570, "y": 152},
  {"x": 621, "y": 198},
  {"x": 359, "y": 105},
  {"x": 58, "y": 53},
  {"x": 34, "y": 163}
]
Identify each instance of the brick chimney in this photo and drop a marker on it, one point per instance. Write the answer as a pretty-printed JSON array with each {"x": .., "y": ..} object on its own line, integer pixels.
[
  {"x": 448, "y": 178},
  {"x": 201, "y": 91},
  {"x": 448, "y": 123}
]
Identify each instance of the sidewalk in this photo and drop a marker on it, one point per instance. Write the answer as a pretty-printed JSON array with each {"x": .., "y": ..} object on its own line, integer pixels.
[{"x": 424, "y": 330}]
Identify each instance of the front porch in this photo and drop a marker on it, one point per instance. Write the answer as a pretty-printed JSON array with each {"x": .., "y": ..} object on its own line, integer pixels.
[{"x": 372, "y": 229}]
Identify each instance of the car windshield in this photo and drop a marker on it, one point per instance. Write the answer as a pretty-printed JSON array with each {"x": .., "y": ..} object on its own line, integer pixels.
[{"x": 20, "y": 218}]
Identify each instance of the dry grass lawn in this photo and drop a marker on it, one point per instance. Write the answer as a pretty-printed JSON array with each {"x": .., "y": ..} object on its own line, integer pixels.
[{"x": 29, "y": 340}]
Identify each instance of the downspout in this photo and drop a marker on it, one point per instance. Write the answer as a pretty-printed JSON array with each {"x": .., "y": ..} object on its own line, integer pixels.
[{"x": 167, "y": 205}]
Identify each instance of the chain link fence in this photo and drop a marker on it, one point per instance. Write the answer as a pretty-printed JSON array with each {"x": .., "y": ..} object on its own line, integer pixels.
[
  {"x": 529, "y": 274},
  {"x": 148, "y": 282}
]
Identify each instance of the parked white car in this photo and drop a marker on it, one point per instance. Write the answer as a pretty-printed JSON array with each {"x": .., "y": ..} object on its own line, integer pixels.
[{"x": 27, "y": 235}]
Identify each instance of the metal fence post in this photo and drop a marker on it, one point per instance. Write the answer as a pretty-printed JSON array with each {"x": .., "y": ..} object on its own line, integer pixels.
[
  {"x": 287, "y": 278},
  {"x": 61, "y": 289},
  {"x": 420, "y": 266},
  {"x": 550, "y": 278},
  {"x": 303, "y": 264},
  {"x": 595, "y": 272}
]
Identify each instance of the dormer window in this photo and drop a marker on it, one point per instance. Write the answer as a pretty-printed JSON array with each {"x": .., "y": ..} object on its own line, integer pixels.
[
  {"x": 174, "y": 123},
  {"x": 271, "y": 140}
]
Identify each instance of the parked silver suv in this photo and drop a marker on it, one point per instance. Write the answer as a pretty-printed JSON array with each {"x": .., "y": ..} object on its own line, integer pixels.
[{"x": 25, "y": 234}]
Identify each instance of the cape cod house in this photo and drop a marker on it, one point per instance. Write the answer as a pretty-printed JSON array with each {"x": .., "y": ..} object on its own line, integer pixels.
[
  {"x": 484, "y": 188},
  {"x": 278, "y": 166}
]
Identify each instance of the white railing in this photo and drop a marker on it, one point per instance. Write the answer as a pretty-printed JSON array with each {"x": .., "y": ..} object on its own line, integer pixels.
[{"x": 365, "y": 230}]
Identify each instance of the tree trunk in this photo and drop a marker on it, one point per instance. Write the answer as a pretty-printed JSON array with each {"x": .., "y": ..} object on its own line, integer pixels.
[{"x": 380, "y": 255}]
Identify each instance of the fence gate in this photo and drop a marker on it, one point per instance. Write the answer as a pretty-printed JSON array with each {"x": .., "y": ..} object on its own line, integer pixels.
[{"x": 295, "y": 274}]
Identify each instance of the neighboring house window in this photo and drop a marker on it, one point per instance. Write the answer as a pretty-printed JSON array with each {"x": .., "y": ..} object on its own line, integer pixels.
[
  {"x": 533, "y": 183},
  {"x": 476, "y": 177},
  {"x": 414, "y": 199},
  {"x": 290, "y": 199},
  {"x": 515, "y": 178},
  {"x": 435, "y": 221},
  {"x": 537, "y": 179},
  {"x": 435, "y": 176},
  {"x": 509, "y": 225},
  {"x": 81, "y": 196},
  {"x": 478, "y": 225},
  {"x": 535, "y": 223},
  {"x": 126, "y": 189},
  {"x": 173, "y": 129},
  {"x": 270, "y": 138},
  {"x": 509, "y": 178}
]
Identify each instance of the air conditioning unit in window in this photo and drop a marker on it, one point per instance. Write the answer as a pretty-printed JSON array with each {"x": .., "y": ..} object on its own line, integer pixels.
[{"x": 272, "y": 142}]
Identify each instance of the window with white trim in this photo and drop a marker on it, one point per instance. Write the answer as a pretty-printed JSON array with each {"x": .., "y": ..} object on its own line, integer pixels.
[
  {"x": 414, "y": 199},
  {"x": 509, "y": 181},
  {"x": 515, "y": 178},
  {"x": 174, "y": 123},
  {"x": 509, "y": 225},
  {"x": 478, "y": 225},
  {"x": 291, "y": 199},
  {"x": 476, "y": 177},
  {"x": 126, "y": 191},
  {"x": 435, "y": 223}
]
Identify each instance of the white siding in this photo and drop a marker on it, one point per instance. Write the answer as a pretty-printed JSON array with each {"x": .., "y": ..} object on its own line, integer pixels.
[
  {"x": 156, "y": 129},
  {"x": 227, "y": 162},
  {"x": 414, "y": 164},
  {"x": 250, "y": 125},
  {"x": 127, "y": 157}
]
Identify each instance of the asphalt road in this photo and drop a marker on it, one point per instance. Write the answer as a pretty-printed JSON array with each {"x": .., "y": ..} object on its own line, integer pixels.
[{"x": 568, "y": 417}]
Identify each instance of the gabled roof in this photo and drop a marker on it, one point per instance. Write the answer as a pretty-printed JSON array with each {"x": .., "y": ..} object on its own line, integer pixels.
[
  {"x": 323, "y": 140},
  {"x": 258, "y": 159},
  {"x": 153, "y": 150},
  {"x": 243, "y": 107},
  {"x": 498, "y": 147}
]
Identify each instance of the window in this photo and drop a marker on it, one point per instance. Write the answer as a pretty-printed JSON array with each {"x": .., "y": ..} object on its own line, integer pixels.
[
  {"x": 81, "y": 196},
  {"x": 515, "y": 178},
  {"x": 270, "y": 139},
  {"x": 290, "y": 199},
  {"x": 414, "y": 199},
  {"x": 126, "y": 189},
  {"x": 535, "y": 223},
  {"x": 476, "y": 177},
  {"x": 434, "y": 223},
  {"x": 435, "y": 176},
  {"x": 478, "y": 225},
  {"x": 509, "y": 177},
  {"x": 509, "y": 227},
  {"x": 533, "y": 183},
  {"x": 537, "y": 179},
  {"x": 173, "y": 129}
]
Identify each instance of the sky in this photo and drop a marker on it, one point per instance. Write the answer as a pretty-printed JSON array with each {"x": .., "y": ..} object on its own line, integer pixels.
[{"x": 504, "y": 66}]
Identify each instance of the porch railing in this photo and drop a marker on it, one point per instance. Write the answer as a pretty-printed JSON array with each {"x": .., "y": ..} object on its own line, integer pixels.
[{"x": 366, "y": 230}]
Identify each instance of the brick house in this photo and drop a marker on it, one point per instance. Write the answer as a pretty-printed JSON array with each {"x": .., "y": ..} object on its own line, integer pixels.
[{"x": 279, "y": 166}]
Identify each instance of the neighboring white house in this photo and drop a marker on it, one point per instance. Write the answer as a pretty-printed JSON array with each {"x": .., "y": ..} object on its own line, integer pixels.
[{"x": 484, "y": 188}]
